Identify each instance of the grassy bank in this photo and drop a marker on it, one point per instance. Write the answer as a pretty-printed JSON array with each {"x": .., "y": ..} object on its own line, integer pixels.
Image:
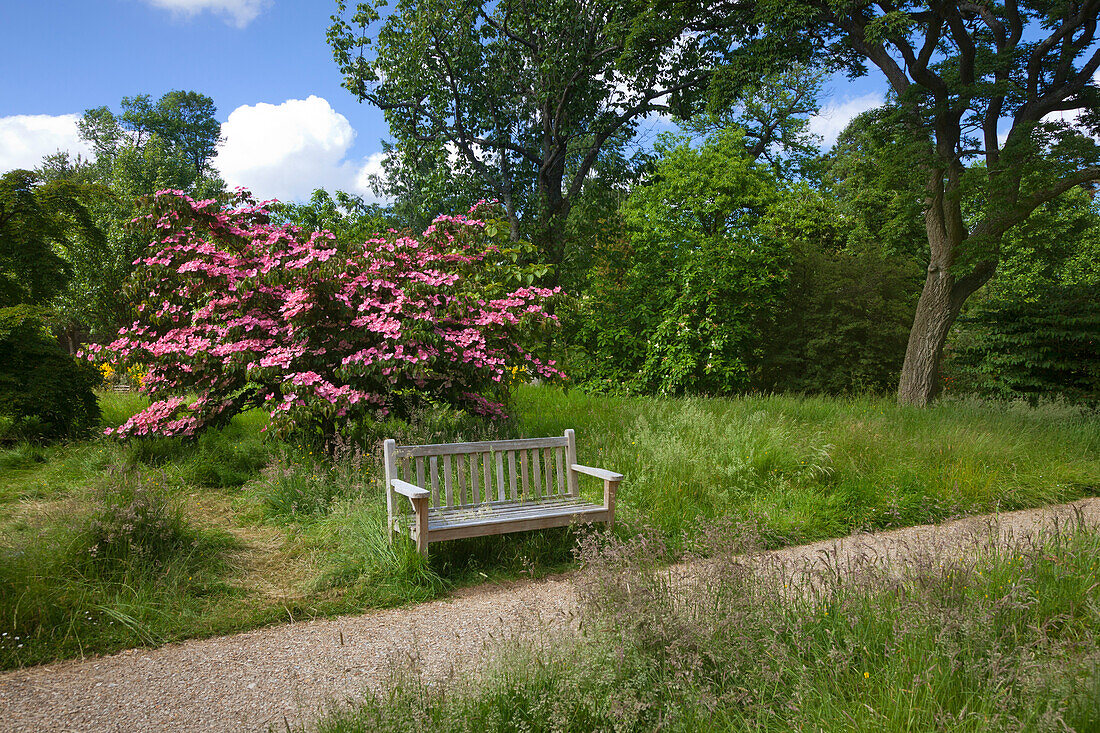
[
  {"x": 277, "y": 532},
  {"x": 1004, "y": 640},
  {"x": 820, "y": 467}
]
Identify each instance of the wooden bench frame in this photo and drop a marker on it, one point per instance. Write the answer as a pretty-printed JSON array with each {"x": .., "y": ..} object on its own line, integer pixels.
[{"x": 445, "y": 510}]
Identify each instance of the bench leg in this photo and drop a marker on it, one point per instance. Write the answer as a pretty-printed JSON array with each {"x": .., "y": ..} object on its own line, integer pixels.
[
  {"x": 609, "y": 490},
  {"x": 421, "y": 508}
]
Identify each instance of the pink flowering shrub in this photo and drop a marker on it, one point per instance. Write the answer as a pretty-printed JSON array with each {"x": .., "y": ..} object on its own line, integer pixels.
[{"x": 235, "y": 312}]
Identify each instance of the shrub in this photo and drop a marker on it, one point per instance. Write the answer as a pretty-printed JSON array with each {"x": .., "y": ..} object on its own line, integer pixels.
[
  {"x": 842, "y": 324},
  {"x": 44, "y": 392},
  {"x": 292, "y": 488},
  {"x": 1040, "y": 348},
  {"x": 234, "y": 312}
]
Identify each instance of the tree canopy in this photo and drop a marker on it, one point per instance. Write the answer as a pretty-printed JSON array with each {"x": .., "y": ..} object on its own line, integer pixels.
[
  {"x": 528, "y": 95},
  {"x": 973, "y": 84}
]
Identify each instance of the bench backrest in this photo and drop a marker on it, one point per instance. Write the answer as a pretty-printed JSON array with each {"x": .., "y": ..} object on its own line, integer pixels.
[{"x": 466, "y": 474}]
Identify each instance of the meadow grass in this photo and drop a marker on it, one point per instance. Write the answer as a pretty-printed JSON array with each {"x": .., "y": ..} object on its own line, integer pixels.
[
  {"x": 1004, "y": 638},
  {"x": 816, "y": 467},
  {"x": 292, "y": 532}
]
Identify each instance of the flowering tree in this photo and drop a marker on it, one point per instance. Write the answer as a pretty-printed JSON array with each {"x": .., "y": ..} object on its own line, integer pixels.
[{"x": 235, "y": 312}]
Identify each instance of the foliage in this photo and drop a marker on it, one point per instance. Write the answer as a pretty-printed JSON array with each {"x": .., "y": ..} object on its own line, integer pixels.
[
  {"x": 528, "y": 119},
  {"x": 1034, "y": 332},
  {"x": 1038, "y": 349},
  {"x": 136, "y": 529},
  {"x": 44, "y": 392},
  {"x": 682, "y": 303},
  {"x": 774, "y": 114},
  {"x": 956, "y": 72},
  {"x": 348, "y": 217},
  {"x": 243, "y": 313},
  {"x": 125, "y": 570},
  {"x": 870, "y": 171},
  {"x": 144, "y": 148},
  {"x": 40, "y": 221},
  {"x": 843, "y": 319}
]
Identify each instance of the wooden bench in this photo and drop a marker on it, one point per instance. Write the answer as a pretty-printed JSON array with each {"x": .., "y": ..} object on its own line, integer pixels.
[{"x": 490, "y": 487}]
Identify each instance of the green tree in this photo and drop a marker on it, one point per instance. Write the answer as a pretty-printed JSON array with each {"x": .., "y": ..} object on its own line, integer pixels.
[
  {"x": 842, "y": 322},
  {"x": 678, "y": 306},
  {"x": 1034, "y": 331},
  {"x": 774, "y": 115},
  {"x": 347, "y": 216},
  {"x": 145, "y": 148},
  {"x": 43, "y": 391},
  {"x": 870, "y": 170},
  {"x": 528, "y": 95},
  {"x": 972, "y": 82}
]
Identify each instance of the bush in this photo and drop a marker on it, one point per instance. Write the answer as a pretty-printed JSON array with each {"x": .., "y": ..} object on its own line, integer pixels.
[
  {"x": 133, "y": 571},
  {"x": 45, "y": 393},
  {"x": 234, "y": 312},
  {"x": 1048, "y": 347},
  {"x": 842, "y": 324}
]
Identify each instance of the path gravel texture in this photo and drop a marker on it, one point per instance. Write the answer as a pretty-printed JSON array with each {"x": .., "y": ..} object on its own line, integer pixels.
[{"x": 280, "y": 675}]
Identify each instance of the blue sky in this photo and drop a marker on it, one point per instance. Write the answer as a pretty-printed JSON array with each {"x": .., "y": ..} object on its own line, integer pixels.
[{"x": 288, "y": 124}]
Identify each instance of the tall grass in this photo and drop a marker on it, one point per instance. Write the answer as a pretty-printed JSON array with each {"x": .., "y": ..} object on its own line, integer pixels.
[
  {"x": 127, "y": 570},
  {"x": 816, "y": 467},
  {"x": 1002, "y": 638}
]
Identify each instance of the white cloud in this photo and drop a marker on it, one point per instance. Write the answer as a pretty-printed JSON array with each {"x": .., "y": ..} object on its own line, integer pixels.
[
  {"x": 238, "y": 12},
  {"x": 287, "y": 150},
  {"x": 25, "y": 139},
  {"x": 372, "y": 167},
  {"x": 834, "y": 117}
]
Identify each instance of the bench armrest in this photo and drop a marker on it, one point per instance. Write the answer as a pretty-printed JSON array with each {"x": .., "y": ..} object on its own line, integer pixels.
[
  {"x": 406, "y": 489},
  {"x": 597, "y": 472}
]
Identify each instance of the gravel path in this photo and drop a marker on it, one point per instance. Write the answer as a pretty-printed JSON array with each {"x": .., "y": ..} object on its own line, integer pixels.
[{"x": 250, "y": 681}]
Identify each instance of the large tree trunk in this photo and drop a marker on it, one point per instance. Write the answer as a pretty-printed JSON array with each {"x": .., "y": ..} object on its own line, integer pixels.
[
  {"x": 936, "y": 312},
  {"x": 940, "y": 302}
]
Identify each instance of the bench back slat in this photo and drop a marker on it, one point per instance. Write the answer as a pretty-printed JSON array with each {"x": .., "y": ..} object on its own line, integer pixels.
[
  {"x": 523, "y": 472},
  {"x": 413, "y": 451},
  {"x": 548, "y": 467},
  {"x": 487, "y": 476},
  {"x": 448, "y": 481},
  {"x": 475, "y": 483},
  {"x": 502, "y": 493},
  {"x": 512, "y": 474},
  {"x": 433, "y": 464},
  {"x": 536, "y": 475},
  {"x": 460, "y": 467},
  {"x": 559, "y": 456}
]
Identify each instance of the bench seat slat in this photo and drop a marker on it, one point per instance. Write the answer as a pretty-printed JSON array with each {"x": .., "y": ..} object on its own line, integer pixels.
[{"x": 506, "y": 511}]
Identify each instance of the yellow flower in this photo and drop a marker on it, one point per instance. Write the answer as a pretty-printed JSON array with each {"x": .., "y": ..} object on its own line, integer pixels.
[{"x": 866, "y": 675}]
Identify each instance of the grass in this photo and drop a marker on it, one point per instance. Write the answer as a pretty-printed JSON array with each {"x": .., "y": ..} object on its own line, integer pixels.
[
  {"x": 1006, "y": 638},
  {"x": 815, "y": 467},
  {"x": 291, "y": 534}
]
